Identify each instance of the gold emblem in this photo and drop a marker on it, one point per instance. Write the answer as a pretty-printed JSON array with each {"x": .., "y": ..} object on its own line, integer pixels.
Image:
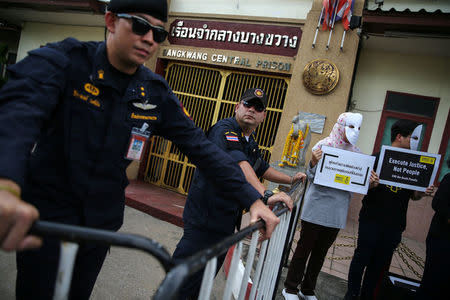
[
  {"x": 258, "y": 93},
  {"x": 91, "y": 89},
  {"x": 101, "y": 74},
  {"x": 320, "y": 76}
]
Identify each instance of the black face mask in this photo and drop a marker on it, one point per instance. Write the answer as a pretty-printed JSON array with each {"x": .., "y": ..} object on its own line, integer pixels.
[{"x": 141, "y": 26}]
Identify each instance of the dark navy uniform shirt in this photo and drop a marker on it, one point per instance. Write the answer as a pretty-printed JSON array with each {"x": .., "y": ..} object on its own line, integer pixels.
[
  {"x": 208, "y": 207},
  {"x": 67, "y": 103}
]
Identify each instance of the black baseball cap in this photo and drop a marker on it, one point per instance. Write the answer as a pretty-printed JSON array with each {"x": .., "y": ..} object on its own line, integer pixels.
[
  {"x": 255, "y": 94},
  {"x": 154, "y": 8}
]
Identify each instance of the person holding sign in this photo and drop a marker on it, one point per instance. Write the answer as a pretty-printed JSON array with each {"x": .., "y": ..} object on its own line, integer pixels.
[
  {"x": 382, "y": 220},
  {"x": 324, "y": 213}
]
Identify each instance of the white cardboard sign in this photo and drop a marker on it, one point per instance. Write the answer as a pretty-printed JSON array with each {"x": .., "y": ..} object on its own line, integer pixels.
[{"x": 344, "y": 170}]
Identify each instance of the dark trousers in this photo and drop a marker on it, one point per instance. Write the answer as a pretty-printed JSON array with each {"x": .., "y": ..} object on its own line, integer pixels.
[
  {"x": 194, "y": 240},
  {"x": 315, "y": 240},
  {"x": 36, "y": 271},
  {"x": 436, "y": 275},
  {"x": 376, "y": 245}
]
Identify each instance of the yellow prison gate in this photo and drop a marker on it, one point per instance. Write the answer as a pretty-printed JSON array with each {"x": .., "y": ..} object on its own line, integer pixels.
[{"x": 209, "y": 95}]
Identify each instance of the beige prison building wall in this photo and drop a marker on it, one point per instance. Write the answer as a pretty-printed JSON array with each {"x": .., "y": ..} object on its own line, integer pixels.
[{"x": 35, "y": 35}]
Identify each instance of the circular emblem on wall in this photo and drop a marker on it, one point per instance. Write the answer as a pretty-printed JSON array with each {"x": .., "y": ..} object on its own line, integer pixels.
[{"x": 320, "y": 76}]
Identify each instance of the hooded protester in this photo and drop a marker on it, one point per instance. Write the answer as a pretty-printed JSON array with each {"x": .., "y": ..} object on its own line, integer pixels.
[
  {"x": 324, "y": 212},
  {"x": 382, "y": 220}
]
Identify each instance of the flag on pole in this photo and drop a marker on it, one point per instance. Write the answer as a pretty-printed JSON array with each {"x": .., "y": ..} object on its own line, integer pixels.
[
  {"x": 344, "y": 12},
  {"x": 327, "y": 14}
]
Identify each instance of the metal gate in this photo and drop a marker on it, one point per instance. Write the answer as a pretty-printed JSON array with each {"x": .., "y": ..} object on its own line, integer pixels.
[{"x": 209, "y": 95}]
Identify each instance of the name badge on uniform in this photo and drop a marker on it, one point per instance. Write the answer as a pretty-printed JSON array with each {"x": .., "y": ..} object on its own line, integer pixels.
[{"x": 138, "y": 141}]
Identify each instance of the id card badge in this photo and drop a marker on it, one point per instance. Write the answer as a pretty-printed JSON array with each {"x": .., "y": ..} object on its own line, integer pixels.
[{"x": 138, "y": 141}]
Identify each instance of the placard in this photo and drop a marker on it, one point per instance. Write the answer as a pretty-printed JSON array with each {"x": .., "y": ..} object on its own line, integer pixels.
[
  {"x": 344, "y": 170},
  {"x": 409, "y": 169}
]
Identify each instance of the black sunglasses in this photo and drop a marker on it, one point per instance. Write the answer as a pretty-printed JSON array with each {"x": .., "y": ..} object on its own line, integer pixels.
[
  {"x": 141, "y": 26},
  {"x": 258, "y": 106}
]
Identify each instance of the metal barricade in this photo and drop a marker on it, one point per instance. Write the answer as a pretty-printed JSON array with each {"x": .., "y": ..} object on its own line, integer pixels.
[
  {"x": 268, "y": 267},
  {"x": 71, "y": 235}
]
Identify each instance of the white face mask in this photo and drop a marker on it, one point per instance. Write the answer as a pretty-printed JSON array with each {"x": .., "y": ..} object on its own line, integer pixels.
[
  {"x": 352, "y": 126},
  {"x": 415, "y": 138}
]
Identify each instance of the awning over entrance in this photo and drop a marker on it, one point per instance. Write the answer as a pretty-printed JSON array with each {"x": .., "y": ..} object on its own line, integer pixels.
[
  {"x": 407, "y": 23},
  {"x": 410, "y": 5}
]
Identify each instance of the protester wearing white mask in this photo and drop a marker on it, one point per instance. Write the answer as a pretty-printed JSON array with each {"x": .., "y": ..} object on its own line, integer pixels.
[
  {"x": 382, "y": 220},
  {"x": 324, "y": 213},
  {"x": 415, "y": 137}
]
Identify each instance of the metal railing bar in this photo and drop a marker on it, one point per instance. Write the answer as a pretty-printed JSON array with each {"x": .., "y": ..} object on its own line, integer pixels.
[
  {"x": 72, "y": 233},
  {"x": 233, "y": 268},
  {"x": 269, "y": 262},
  {"x": 208, "y": 278},
  {"x": 65, "y": 270},
  {"x": 258, "y": 271},
  {"x": 248, "y": 265},
  {"x": 279, "y": 251},
  {"x": 291, "y": 231}
]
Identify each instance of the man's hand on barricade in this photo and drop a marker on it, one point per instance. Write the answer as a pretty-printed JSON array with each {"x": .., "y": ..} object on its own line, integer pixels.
[
  {"x": 259, "y": 210},
  {"x": 297, "y": 177},
  {"x": 281, "y": 197},
  {"x": 16, "y": 218}
]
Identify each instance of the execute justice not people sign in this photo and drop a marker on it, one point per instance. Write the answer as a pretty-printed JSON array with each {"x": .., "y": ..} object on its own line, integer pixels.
[
  {"x": 414, "y": 170},
  {"x": 344, "y": 170}
]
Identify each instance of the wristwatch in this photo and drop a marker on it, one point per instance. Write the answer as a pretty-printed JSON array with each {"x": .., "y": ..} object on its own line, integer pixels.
[{"x": 267, "y": 195}]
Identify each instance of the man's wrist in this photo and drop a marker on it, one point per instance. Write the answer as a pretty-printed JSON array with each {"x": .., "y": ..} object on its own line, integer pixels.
[{"x": 266, "y": 196}]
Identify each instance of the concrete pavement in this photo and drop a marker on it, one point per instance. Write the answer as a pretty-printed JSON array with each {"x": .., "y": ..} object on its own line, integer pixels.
[
  {"x": 131, "y": 274},
  {"x": 126, "y": 274}
]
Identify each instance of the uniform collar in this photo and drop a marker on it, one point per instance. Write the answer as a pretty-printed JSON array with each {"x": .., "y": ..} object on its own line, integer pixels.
[{"x": 238, "y": 129}]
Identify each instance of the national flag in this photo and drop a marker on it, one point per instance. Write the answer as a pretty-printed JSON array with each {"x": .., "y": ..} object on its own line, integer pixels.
[
  {"x": 232, "y": 138},
  {"x": 344, "y": 12},
  {"x": 327, "y": 14}
]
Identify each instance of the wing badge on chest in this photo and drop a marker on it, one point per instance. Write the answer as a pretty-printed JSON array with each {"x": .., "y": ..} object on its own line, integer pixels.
[{"x": 144, "y": 106}]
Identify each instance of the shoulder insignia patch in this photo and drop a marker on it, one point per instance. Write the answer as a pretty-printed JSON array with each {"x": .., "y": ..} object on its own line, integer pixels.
[{"x": 232, "y": 138}]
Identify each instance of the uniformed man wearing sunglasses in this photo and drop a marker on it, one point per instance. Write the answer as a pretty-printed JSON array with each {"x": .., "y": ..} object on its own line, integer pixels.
[
  {"x": 73, "y": 115},
  {"x": 208, "y": 215}
]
